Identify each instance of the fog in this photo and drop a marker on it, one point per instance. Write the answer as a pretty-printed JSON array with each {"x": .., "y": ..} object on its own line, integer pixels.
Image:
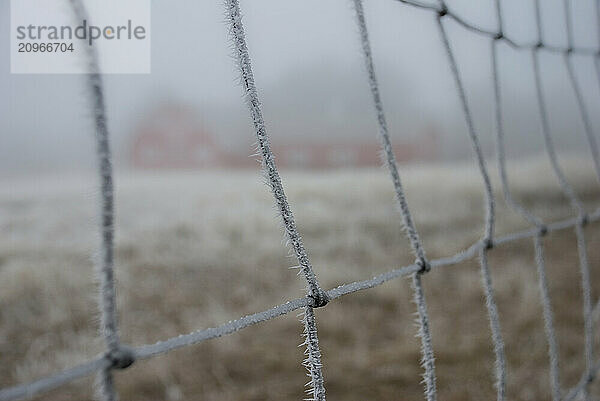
[{"x": 311, "y": 79}]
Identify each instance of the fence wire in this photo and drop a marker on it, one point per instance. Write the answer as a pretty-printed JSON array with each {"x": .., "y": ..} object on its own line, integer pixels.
[
  {"x": 424, "y": 333},
  {"x": 314, "y": 292},
  {"x": 120, "y": 356}
]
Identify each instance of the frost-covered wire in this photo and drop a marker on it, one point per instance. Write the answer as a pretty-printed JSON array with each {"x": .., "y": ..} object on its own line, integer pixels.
[
  {"x": 107, "y": 304},
  {"x": 28, "y": 390},
  {"x": 314, "y": 291},
  {"x": 597, "y": 56},
  {"x": 474, "y": 139},
  {"x": 52, "y": 382},
  {"x": 529, "y": 217},
  {"x": 494, "y": 319},
  {"x": 389, "y": 159},
  {"x": 500, "y": 135},
  {"x": 597, "y": 67},
  {"x": 120, "y": 356},
  {"x": 548, "y": 317},
  {"x": 548, "y": 142},
  {"x": 586, "y": 289},
  {"x": 107, "y": 287},
  {"x": 489, "y": 219},
  {"x": 586, "y": 378},
  {"x": 499, "y": 16},
  {"x": 568, "y": 23},
  {"x": 387, "y": 150},
  {"x": 312, "y": 362},
  {"x": 501, "y": 146},
  {"x": 272, "y": 174},
  {"x": 579, "y": 228},
  {"x": 492, "y": 33},
  {"x": 585, "y": 118},
  {"x": 598, "y": 22},
  {"x": 569, "y": 192},
  {"x": 424, "y": 333}
]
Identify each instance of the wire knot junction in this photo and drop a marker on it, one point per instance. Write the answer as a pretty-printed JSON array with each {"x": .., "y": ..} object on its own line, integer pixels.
[
  {"x": 542, "y": 230},
  {"x": 121, "y": 358},
  {"x": 584, "y": 219},
  {"x": 443, "y": 11},
  {"x": 590, "y": 377},
  {"x": 318, "y": 298},
  {"x": 488, "y": 243},
  {"x": 425, "y": 266}
]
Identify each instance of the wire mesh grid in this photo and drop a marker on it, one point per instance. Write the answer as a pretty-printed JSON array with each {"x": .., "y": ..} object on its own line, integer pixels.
[{"x": 121, "y": 356}]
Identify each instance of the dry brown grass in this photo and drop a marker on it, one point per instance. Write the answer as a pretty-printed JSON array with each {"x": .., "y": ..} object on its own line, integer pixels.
[{"x": 195, "y": 250}]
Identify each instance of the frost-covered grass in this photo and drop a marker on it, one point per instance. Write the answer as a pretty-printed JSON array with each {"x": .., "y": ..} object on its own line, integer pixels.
[{"x": 197, "y": 249}]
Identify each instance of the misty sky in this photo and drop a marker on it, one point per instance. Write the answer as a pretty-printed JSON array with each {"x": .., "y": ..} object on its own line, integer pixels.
[{"x": 310, "y": 75}]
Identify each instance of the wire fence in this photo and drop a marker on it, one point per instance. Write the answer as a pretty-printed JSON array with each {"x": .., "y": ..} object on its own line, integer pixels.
[{"x": 120, "y": 356}]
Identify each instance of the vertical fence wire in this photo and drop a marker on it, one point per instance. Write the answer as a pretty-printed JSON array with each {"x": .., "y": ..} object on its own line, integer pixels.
[
  {"x": 499, "y": 16},
  {"x": 501, "y": 145},
  {"x": 538, "y": 241},
  {"x": 585, "y": 117},
  {"x": 314, "y": 291},
  {"x": 109, "y": 315},
  {"x": 494, "y": 318},
  {"x": 387, "y": 150},
  {"x": 566, "y": 188},
  {"x": 579, "y": 228},
  {"x": 121, "y": 356},
  {"x": 587, "y": 301},
  {"x": 268, "y": 159},
  {"x": 597, "y": 55},
  {"x": 107, "y": 303},
  {"x": 500, "y": 358},
  {"x": 489, "y": 197},
  {"x": 576, "y": 204},
  {"x": 553, "y": 355},
  {"x": 545, "y": 123},
  {"x": 548, "y": 141},
  {"x": 548, "y": 317},
  {"x": 424, "y": 333}
]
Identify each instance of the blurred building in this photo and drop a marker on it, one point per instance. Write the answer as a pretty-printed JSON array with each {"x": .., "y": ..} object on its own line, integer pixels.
[
  {"x": 318, "y": 154},
  {"x": 173, "y": 137}
]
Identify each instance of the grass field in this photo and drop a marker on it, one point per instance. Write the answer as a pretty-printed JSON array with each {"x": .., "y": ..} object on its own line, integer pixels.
[{"x": 196, "y": 249}]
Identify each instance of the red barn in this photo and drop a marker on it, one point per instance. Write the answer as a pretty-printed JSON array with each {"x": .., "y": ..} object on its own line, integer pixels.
[
  {"x": 324, "y": 155},
  {"x": 173, "y": 137}
]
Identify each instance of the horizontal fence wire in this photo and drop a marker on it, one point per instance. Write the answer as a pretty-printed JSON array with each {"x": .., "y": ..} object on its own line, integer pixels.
[
  {"x": 516, "y": 44},
  {"x": 151, "y": 350},
  {"x": 119, "y": 356}
]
